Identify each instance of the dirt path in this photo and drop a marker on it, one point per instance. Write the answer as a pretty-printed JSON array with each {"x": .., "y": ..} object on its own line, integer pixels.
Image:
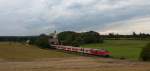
[{"x": 75, "y": 64}]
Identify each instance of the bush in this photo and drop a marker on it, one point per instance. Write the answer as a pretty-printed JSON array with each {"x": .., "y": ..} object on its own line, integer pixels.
[{"x": 145, "y": 54}]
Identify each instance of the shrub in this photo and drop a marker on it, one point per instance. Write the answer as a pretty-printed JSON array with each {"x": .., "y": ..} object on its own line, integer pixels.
[{"x": 145, "y": 54}]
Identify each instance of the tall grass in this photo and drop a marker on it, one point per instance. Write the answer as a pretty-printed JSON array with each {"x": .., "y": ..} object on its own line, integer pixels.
[{"x": 18, "y": 51}]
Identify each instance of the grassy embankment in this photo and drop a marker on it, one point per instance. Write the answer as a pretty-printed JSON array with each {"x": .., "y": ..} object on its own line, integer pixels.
[
  {"x": 129, "y": 49},
  {"x": 18, "y": 51}
]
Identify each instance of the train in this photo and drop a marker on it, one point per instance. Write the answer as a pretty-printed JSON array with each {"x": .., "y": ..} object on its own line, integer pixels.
[{"x": 90, "y": 51}]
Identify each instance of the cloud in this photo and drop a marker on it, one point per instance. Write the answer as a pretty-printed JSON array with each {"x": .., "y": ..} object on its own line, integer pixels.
[
  {"x": 33, "y": 17},
  {"x": 129, "y": 26}
]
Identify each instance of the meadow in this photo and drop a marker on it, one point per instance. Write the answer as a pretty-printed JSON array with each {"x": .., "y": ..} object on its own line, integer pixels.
[
  {"x": 22, "y": 57},
  {"x": 128, "y": 49},
  {"x": 19, "y": 51}
]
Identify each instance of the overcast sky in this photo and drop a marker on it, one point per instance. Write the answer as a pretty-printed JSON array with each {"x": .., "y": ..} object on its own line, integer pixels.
[{"x": 33, "y": 17}]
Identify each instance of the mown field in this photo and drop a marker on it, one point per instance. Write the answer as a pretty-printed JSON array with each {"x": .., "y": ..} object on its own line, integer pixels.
[
  {"x": 75, "y": 64},
  {"x": 18, "y": 51},
  {"x": 129, "y": 49}
]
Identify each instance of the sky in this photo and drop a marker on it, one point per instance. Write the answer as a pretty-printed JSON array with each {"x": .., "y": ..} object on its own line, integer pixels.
[{"x": 33, "y": 17}]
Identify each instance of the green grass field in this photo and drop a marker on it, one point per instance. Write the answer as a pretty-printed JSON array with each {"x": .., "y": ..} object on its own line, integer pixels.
[
  {"x": 130, "y": 49},
  {"x": 18, "y": 51}
]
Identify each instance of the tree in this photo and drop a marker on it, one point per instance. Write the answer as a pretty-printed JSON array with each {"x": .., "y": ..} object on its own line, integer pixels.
[
  {"x": 67, "y": 37},
  {"x": 145, "y": 54},
  {"x": 42, "y": 41},
  {"x": 76, "y": 39},
  {"x": 91, "y": 37},
  {"x": 134, "y": 34}
]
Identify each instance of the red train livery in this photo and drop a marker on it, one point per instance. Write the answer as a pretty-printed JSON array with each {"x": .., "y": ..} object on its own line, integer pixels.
[{"x": 91, "y": 51}]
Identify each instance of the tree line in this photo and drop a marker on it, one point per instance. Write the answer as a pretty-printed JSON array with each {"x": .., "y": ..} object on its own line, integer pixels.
[
  {"x": 133, "y": 36},
  {"x": 75, "y": 39},
  {"x": 110, "y": 36},
  {"x": 17, "y": 38}
]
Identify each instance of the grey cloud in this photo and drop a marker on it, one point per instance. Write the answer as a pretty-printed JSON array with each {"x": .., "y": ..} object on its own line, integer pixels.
[{"x": 43, "y": 16}]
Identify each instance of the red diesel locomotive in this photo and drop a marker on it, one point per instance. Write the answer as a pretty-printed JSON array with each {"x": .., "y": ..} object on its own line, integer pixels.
[{"x": 98, "y": 52}]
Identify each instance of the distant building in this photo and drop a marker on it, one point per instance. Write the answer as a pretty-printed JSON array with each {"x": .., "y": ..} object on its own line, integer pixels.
[
  {"x": 28, "y": 42},
  {"x": 53, "y": 39}
]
